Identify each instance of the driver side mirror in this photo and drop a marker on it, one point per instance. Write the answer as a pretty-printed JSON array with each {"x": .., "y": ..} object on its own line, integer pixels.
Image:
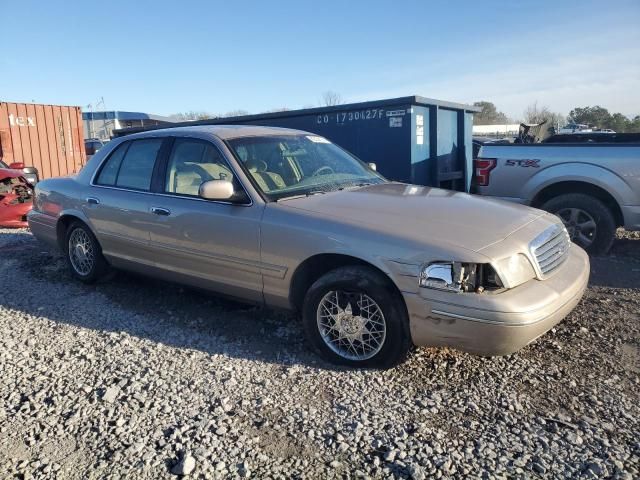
[
  {"x": 216, "y": 190},
  {"x": 373, "y": 166}
]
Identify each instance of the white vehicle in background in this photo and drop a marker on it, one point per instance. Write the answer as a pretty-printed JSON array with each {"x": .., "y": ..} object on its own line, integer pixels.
[{"x": 575, "y": 128}]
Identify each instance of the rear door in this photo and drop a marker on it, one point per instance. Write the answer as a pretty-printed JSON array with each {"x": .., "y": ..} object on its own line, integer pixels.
[
  {"x": 211, "y": 244},
  {"x": 118, "y": 201}
]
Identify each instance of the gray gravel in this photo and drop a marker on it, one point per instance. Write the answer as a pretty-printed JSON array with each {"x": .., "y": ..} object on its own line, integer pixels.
[{"x": 141, "y": 379}]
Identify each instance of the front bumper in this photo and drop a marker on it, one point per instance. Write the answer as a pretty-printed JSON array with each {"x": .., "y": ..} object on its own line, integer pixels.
[
  {"x": 498, "y": 324},
  {"x": 14, "y": 215}
]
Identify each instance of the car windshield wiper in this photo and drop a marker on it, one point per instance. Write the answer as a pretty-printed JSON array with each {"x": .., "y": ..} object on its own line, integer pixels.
[
  {"x": 356, "y": 185},
  {"x": 302, "y": 195}
]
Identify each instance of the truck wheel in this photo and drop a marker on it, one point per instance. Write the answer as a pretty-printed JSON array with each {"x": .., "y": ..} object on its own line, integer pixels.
[
  {"x": 353, "y": 317},
  {"x": 589, "y": 222},
  {"x": 83, "y": 254}
]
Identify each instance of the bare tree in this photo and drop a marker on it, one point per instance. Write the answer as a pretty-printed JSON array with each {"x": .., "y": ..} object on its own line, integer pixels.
[
  {"x": 234, "y": 113},
  {"x": 331, "y": 98},
  {"x": 538, "y": 114},
  {"x": 279, "y": 109},
  {"x": 191, "y": 115}
]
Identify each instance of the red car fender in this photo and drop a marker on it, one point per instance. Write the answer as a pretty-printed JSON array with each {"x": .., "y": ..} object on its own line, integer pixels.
[{"x": 15, "y": 203}]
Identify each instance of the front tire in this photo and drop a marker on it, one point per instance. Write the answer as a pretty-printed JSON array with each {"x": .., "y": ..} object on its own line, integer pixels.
[
  {"x": 83, "y": 254},
  {"x": 589, "y": 222},
  {"x": 353, "y": 316}
]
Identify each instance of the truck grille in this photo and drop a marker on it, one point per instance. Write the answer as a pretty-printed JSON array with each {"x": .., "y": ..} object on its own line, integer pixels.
[{"x": 550, "y": 249}]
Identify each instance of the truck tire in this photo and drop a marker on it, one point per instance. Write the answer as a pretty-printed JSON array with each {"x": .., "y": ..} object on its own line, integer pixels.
[
  {"x": 352, "y": 316},
  {"x": 589, "y": 222},
  {"x": 84, "y": 254}
]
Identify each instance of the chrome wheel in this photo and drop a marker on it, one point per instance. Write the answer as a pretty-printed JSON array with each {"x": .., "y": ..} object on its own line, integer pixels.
[
  {"x": 580, "y": 225},
  {"x": 81, "y": 252},
  {"x": 351, "y": 324}
]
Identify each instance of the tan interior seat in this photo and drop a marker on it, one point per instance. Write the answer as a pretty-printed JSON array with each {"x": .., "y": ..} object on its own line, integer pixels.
[
  {"x": 268, "y": 181},
  {"x": 188, "y": 178}
]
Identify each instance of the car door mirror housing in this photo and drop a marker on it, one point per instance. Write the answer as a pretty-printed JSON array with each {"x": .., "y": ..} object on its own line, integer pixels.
[{"x": 217, "y": 190}]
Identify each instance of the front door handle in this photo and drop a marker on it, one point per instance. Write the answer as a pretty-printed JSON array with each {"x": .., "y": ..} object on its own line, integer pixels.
[
  {"x": 93, "y": 201},
  {"x": 160, "y": 211}
]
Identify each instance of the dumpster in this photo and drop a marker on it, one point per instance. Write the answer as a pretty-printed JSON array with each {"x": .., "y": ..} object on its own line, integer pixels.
[{"x": 410, "y": 139}]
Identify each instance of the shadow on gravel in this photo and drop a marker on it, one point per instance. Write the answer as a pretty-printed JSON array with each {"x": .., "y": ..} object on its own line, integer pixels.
[
  {"x": 37, "y": 282},
  {"x": 620, "y": 268}
]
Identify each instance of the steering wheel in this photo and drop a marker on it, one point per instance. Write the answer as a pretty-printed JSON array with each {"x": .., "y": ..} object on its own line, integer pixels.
[{"x": 327, "y": 169}]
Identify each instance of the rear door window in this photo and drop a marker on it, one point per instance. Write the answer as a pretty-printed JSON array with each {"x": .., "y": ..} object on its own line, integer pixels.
[
  {"x": 137, "y": 165},
  {"x": 131, "y": 165}
]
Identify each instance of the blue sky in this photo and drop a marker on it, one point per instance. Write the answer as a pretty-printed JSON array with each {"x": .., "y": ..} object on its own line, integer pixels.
[{"x": 167, "y": 57}]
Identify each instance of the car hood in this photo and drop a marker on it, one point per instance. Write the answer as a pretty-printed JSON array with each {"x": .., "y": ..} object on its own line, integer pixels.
[{"x": 423, "y": 214}]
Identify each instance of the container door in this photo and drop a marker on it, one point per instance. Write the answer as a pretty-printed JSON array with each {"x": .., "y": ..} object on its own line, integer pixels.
[{"x": 451, "y": 155}]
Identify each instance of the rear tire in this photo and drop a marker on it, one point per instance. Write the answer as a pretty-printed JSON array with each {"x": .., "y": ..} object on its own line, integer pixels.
[
  {"x": 84, "y": 254},
  {"x": 589, "y": 221},
  {"x": 353, "y": 316}
]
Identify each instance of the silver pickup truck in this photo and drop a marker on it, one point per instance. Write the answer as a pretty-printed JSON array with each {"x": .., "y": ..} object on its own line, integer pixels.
[{"x": 593, "y": 188}]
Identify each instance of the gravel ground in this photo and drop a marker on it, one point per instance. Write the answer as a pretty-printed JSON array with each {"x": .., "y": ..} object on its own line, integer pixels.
[{"x": 141, "y": 379}]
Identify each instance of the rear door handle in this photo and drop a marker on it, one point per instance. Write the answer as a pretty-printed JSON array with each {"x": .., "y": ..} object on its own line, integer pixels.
[
  {"x": 160, "y": 211},
  {"x": 93, "y": 201}
]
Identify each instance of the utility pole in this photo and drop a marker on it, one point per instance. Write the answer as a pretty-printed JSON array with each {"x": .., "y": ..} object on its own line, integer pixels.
[{"x": 90, "y": 120}]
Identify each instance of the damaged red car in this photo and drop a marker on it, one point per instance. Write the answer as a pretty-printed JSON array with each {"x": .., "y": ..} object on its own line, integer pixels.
[{"x": 16, "y": 197}]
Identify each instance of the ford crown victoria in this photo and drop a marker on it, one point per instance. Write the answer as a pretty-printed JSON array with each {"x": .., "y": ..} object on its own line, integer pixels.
[{"x": 287, "y": 219}]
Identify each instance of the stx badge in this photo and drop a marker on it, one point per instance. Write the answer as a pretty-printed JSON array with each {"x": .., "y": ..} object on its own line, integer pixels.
[{"x": 523, "y": 163}]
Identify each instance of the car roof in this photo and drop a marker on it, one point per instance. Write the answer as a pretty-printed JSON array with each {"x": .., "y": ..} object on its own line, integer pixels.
[{"x": 224, "y": 132}]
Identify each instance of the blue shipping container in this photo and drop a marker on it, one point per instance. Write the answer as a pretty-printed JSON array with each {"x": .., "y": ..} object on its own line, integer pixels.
[{"x": 410, "y": 139}]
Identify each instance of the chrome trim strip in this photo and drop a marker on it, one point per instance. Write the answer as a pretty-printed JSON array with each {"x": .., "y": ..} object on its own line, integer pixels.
[
  {"x": 123, "y": 238},
  {"x": 496, "y": 322},
  {"x": 275, "y": 270}
]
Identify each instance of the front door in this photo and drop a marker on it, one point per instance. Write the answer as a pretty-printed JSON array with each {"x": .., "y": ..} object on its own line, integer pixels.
[{"x": 213, "y": 244}]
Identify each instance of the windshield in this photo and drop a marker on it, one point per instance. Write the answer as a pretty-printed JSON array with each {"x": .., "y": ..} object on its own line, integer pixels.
[{"x": 292, "y": 165}]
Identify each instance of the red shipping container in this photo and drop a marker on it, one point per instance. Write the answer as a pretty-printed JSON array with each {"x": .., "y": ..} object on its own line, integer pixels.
[{"x": 47, "y": 137}]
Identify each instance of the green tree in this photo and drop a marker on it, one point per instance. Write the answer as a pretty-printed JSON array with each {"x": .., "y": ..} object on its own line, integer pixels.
[
  {"x": 596, "y": 116},
  {"x": 618, "y": 122},
  {"x": 600, "y": 117},
  {"x": 489, "y": 115},
  {"x": 634, "y": 125}
]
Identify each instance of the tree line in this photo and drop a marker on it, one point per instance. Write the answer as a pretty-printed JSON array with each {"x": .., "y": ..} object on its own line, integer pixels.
[
  {"x": 596, "y": 116},
  {"x": 329, "y": 98}
]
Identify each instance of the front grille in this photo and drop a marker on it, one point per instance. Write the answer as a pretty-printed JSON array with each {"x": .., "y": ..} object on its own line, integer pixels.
[{"x": 550, "y": 249}]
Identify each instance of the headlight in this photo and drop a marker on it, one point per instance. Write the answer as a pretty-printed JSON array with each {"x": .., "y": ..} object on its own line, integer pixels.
[
  {"x": 515, "y": 270},
  {"x": 451, "y": 276},
  {"x": 32, "y": 178}
]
